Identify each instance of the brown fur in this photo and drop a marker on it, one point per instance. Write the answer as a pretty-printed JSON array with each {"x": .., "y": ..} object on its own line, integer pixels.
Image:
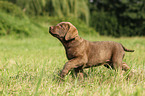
[{"x": 84, "y": 54}]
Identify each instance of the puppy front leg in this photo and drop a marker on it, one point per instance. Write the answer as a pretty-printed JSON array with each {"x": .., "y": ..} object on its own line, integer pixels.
[{"x": 71, "y": 64}]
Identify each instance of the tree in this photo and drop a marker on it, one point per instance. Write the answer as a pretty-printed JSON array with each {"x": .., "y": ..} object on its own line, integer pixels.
[{"x": 124, "y": 17}]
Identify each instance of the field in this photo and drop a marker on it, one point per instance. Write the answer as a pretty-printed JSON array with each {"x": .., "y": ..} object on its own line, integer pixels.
[{"x": 30, "y": 66}]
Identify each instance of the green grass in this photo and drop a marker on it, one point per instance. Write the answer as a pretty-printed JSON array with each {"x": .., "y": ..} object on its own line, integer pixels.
[{"x": 30, "y": 66}]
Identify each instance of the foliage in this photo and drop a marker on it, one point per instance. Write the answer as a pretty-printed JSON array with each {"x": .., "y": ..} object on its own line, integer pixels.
[
  {"x": 11, "y": 9},
  {"x": 58, "y": 8},
  {"x": 30, "y": 66},
  {"x": 118, "y": 18},
  {"x": 104, "y": 23},
  {"x": 38, "y": 25},
  {"x": 112, "y": 18},
  {"x": 14, "y": 21}
]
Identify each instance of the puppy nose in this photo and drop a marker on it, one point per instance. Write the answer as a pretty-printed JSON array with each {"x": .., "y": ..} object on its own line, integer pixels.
[{"x": 51, "y": 27}]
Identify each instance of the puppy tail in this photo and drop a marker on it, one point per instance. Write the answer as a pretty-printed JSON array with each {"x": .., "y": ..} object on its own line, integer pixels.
[{"x": 127, "y": 50}]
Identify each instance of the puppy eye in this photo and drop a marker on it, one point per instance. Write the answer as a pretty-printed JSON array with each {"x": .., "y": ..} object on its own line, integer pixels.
[{"x": 62, "y": 26}]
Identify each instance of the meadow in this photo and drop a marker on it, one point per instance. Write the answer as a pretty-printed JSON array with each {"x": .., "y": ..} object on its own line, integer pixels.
[{"x": 30, "y": 66}]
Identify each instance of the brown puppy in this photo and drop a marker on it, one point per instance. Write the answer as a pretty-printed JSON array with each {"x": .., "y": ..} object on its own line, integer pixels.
[{"x": 84, "y": 54}]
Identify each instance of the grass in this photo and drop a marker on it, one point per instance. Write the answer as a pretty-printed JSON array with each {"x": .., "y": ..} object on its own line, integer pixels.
[{"x": 30, "y": 66}]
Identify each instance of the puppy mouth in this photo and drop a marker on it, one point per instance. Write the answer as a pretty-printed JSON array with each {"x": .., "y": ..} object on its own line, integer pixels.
[{"x": 52, "y": 33}]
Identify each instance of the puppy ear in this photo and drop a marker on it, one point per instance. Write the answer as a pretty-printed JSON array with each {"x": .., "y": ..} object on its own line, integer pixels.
[{"x": 71, "y": 34}]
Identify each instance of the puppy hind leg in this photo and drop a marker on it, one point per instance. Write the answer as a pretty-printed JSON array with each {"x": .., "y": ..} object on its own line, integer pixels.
[
  {"x": 125, "y": 67},
  {"x": 117, "y": 63},
  {"x": 109, "y": 65}
]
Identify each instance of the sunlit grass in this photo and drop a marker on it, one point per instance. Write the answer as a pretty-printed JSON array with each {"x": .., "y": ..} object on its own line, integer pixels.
[{"x": 30, "y": 66}]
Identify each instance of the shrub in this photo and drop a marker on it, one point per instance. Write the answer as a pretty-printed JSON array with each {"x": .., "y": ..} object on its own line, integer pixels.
[
  {"x": 12, "y": 9},
  {"x": 12, "y": 25}
]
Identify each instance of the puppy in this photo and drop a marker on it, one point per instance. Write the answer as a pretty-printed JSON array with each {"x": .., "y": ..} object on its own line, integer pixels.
[{"x": 84, "y": 54}]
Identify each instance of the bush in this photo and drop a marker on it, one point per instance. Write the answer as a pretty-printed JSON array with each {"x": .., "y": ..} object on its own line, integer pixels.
[
  {"x": 11, "y": 9},
  {"x": 12, "y": 25},
  {"x": 14, "y": 22}
]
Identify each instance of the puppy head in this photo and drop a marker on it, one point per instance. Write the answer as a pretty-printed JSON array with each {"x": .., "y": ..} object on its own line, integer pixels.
[{"x": 64, "y": 30}]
